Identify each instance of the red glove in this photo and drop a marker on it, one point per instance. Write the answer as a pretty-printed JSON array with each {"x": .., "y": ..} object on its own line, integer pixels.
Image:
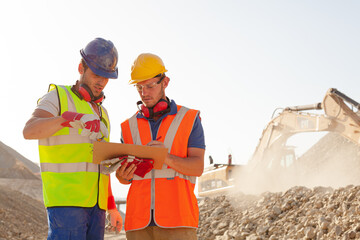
[
  {"x": 90, "y": 123},
  {"x": 143, "y": 165}
]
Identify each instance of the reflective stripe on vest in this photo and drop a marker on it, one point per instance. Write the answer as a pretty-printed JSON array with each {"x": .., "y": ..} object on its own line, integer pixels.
[
  {"x": 169, "y": 193},
  {"x": 71, "y": 167},
  {"x": 69, "y": 176}
]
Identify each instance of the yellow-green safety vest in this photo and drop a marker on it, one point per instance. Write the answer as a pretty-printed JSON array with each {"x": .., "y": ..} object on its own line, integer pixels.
[{"x": 69, "y": 177}]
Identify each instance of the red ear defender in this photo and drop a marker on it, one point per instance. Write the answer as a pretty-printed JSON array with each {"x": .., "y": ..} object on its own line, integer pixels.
[
  {"x": 85, "y": 94},
  {"x": 160, "y": 108},
  {"x": 144, "y": 111},
  {"x": 88, "y": 96},
  {"x": 99, "y": 100}
]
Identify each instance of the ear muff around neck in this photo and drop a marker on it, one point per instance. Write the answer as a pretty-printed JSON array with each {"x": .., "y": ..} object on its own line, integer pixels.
[
  {"x": 160, "y": 108},
  {"x": 88, "y": 96}
]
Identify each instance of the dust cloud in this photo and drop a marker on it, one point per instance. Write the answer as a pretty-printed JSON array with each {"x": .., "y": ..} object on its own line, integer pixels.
[{"x": 333, "y": 161}]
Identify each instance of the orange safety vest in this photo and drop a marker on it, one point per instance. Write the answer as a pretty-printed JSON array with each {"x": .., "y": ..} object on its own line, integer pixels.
[{"x": 169, "y": 193}]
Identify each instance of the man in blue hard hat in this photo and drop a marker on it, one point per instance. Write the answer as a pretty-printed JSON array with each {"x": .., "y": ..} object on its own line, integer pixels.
[{"x": 67, "y": 121}]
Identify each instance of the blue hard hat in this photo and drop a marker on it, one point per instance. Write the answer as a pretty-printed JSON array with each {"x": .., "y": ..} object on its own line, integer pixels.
[{"x": 101, "y": 56}]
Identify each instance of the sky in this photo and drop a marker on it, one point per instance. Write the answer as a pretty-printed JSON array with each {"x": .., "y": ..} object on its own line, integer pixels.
[{"x": 236, "y": 61}]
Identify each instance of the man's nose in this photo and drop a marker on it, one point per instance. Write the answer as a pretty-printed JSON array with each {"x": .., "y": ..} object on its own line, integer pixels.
[
  {"x": 143, "y": 91},
  {"x": 103, "y": 81}
]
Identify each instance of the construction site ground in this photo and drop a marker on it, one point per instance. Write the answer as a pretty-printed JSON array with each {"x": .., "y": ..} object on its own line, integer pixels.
[
  {"x": 318, "y": 212},
  {"x": 22, "y": 212}
]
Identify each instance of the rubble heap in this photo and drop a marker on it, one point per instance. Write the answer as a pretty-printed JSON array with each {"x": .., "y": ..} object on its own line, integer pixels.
[
  {"x": 22, "y": 212},
  {"x": 21, "y": 217},
  {"x": 298, "y": 213}
]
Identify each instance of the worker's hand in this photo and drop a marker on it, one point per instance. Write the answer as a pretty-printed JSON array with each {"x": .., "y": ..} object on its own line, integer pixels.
[
  {"x": 80, "y": 120},
  {"x": 111, "y": 165},
  {"x": 126, "y": 173},
  {"x": 96, "y": 135},
  {"x": 90, "y": 123},
  {"x": 115, "y": 220}
]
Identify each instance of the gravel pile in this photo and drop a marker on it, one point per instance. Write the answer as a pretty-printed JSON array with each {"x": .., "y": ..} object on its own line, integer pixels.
[
  {"x": 299, "y": 213},
  {"x": 21, "y": 216}
]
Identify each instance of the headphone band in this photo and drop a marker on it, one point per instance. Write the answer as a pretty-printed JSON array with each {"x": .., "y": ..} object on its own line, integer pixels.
[
  {"x": 86, "y": 94},
  {"x": 161, "y": 107}
]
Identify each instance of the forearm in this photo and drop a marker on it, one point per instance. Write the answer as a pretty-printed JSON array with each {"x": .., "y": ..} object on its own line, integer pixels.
[
  {"x": 38, "y": 128},
  {"x": 191, "y": 166},
  {"x": 111, "y": 199}
]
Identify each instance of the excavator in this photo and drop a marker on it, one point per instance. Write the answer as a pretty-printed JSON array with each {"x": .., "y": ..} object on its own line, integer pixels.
[{"x": 273, "y": 161}]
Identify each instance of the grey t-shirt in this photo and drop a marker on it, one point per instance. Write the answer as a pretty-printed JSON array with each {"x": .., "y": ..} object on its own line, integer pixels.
[{"x": 50, "y": 103}]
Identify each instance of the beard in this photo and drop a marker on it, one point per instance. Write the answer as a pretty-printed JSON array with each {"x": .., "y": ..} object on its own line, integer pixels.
[{"x": 160, "y": 96}]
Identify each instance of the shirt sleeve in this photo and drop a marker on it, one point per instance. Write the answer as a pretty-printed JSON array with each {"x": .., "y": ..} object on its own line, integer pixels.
[
  {"x": 197, "y": 139},
  {"x": 50, "y": 103},
  {"x": 111, "y": 199}
]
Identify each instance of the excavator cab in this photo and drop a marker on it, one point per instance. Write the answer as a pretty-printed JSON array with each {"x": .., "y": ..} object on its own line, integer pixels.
[
  {"x": 284, "y": 159},
  {"x": 217, "y": 178}
]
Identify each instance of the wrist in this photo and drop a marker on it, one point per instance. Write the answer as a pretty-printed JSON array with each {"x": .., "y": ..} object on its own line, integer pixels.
[
  {"x": 128, "y": 180},
  {"x": 123, "y": 180}
]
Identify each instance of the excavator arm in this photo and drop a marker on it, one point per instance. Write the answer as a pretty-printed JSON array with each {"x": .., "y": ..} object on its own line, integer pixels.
[
  {"x": 273, "y": 164},
  {"x": 337, "y": 117}
]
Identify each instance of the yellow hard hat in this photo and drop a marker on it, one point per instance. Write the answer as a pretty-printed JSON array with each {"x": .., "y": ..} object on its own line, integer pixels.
[{"x": 146, "y": 66}]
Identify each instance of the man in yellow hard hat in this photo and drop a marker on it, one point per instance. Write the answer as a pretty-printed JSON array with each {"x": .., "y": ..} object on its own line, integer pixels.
[{"x": 162, "y": 204}]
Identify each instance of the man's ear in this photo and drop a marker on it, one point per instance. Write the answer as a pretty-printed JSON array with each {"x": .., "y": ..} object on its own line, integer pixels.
[
  {"x": 81, "y": 69},
  {"x": 166, "y": 81}
]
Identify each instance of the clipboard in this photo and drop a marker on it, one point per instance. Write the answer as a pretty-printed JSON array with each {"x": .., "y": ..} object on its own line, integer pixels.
[{"x": 105, "y": 150}]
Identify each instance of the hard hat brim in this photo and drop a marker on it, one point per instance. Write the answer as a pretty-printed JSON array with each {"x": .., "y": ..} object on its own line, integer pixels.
[
  {"x": 134, "y": 81},
  {"x": 113, "y": 75}
]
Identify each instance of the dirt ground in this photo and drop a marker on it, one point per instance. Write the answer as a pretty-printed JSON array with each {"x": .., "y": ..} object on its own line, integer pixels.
[
  {"x": 29, "y": 187},
  {"x": 311, "y": 212},
  {"x": 22, "y": 216},
  {"x": 19, "y": 220},
  {"x": 320, "y": 213},
  {"x": 113, "y": 236}
]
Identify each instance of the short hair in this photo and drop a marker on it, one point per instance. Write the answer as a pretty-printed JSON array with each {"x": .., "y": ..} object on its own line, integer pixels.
[{"x": 84, "y": 64}]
